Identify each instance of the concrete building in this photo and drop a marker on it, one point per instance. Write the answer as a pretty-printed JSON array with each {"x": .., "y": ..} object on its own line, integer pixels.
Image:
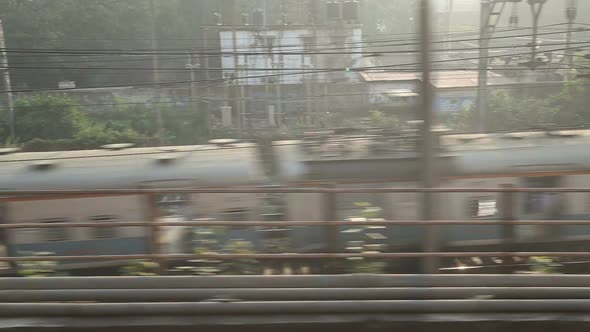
[{"x": 299, "y": 72}]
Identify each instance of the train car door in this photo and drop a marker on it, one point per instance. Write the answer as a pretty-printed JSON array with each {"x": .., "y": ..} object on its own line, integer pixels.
[{"x": 541, "y": 206}]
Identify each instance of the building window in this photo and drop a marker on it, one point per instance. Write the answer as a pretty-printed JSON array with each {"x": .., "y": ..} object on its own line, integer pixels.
[
  {"x": 104, "y": 232},
  {"x": 483, "y": 208},
  {"x": 57, "y": 233}
]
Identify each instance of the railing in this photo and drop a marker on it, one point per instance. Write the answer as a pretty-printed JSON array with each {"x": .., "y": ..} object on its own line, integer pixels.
[{"x": 506, "y": 216}]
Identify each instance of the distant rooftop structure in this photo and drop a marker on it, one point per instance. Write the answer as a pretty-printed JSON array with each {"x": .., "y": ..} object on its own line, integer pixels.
[
  {"x": 388, "y": 76},
  {"x": 440, "y": 79}
]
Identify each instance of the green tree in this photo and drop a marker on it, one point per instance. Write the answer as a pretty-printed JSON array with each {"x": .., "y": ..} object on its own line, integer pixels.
[
  {"x": 506, "y": 112},
  {"x": 95, "y": 25},
  {"x": 47, "y": 116}
]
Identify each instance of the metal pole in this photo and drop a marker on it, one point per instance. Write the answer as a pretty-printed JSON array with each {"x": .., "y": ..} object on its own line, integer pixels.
[
  {"x": 197, "y": 104},
  {"x": 156, "y": 74},
  {"x": 154, "y": 234},
  {"x": 193, "y": 94},
  {"x": 243, "y": 108},
  {"x": 331, "y": 233},
  {"x": 279, "y": 94},
  {"x": 308, "y": 109},
  {"x": 207, "y": 104},
  {"x": 430, "y": 237},
  {"x": 7, "y": 83},
  {"x": 507, "y": 215},
  {"x": 571, "y": 13},
  {"x": 536, "y": 9},
  {"x": 449, "y": 24},
  {"x": 484, "y": 42}
]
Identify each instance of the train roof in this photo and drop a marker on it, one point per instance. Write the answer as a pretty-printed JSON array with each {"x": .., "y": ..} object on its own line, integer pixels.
[
  {"x": 508, "y": 153},
  {"x": 186, "y": 166}
]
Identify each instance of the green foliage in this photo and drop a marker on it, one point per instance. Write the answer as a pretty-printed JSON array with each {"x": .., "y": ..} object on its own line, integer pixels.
[
  {"x": 93, "y": 24},
  {"x": 544, "y": 265},
  {"x": 509, "y": 112},
  {"x": 38, "y": 269},
  {"x": 382, "y": 120},
  {"x": 94, "y": 136},
  {"x": 240, "y": 266},
  {"x": 141, "y": 268},
  {"x": 47, "y": 116},
  {"x": 366, "y": 244}
]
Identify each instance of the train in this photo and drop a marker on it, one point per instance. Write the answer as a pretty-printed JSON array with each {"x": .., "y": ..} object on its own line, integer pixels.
[{"x": 375, "y": 158}]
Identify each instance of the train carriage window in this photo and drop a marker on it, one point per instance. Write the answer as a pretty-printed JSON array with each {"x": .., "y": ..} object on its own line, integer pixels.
[
  {"x": 237, "y": 214},
  {"x": 173, "y": 204},
  {"x": 104, "y": 232},
  {"x": 57, "y": 233},
  {"x": 483, "y": 208},
  {"x": 545, "y": 203}
]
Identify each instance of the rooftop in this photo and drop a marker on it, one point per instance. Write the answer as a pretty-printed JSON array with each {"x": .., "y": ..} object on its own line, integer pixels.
[{"x": 440, "y": 79}]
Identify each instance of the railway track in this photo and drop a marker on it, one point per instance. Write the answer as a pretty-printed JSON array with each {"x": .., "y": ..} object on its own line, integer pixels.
[{"x": 265, "y": 303}]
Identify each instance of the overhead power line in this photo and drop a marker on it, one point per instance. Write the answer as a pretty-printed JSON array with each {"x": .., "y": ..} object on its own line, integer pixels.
[
  {"x": 221, "y": 53},
  {"x": 301, "y": 72},
  {"x": 274, "y": 69},
  {"x": 258, "y": 69}
]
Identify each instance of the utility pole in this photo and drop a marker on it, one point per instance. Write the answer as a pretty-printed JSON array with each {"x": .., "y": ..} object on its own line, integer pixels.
[
  {"x": 491, "y": 11},
  {"x": 207, "y": 104},
  {"x": 430, "y": 235},
  {"x": 309, "y": 120},
  {"x": 156, "y": 74},
  {"x": 7, "y": 83},
  {"x": 571, "y": 13},
  {"x": 451, "y": 6},
  {"x": 536, "y": 9},
  {"x": 195, "y": 100}
]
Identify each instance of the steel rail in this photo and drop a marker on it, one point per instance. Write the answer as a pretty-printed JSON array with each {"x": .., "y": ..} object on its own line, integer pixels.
[
  {"x": 291, "y": 190},
  {"x": 293, "y": 256},
  {"x": 285, "y": 308},
  {"x": 214, "y": 223},
  {"x": 295, "y": 282},
  {"x": 290, "y": 294}
]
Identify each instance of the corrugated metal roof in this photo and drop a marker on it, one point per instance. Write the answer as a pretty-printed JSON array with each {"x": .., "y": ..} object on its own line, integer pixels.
[
  {"x": 440, "y": 79},
  {"x": 390, "y": 76}
]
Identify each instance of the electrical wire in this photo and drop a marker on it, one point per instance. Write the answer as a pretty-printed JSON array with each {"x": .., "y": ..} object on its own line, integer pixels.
[
  {"x": 252, "y": 69},
  {"x": 303, "y": 72},
  {"x": 221, "y": 53}
]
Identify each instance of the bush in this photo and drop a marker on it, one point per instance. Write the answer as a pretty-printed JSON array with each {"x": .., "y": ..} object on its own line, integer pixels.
[
  {"x": 380, "y": 119},
  {"x": 47, "y": 117},
  {"x": 92, "y": 138}
]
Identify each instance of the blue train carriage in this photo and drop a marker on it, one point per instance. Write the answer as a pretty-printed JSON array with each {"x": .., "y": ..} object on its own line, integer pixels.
[
  {"x": 119, "y": 167},
  {"x": 529, "y": 160}
]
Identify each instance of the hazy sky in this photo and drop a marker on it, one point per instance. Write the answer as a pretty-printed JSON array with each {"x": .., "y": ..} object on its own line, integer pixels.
[{"x": 553, "y": 11}]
